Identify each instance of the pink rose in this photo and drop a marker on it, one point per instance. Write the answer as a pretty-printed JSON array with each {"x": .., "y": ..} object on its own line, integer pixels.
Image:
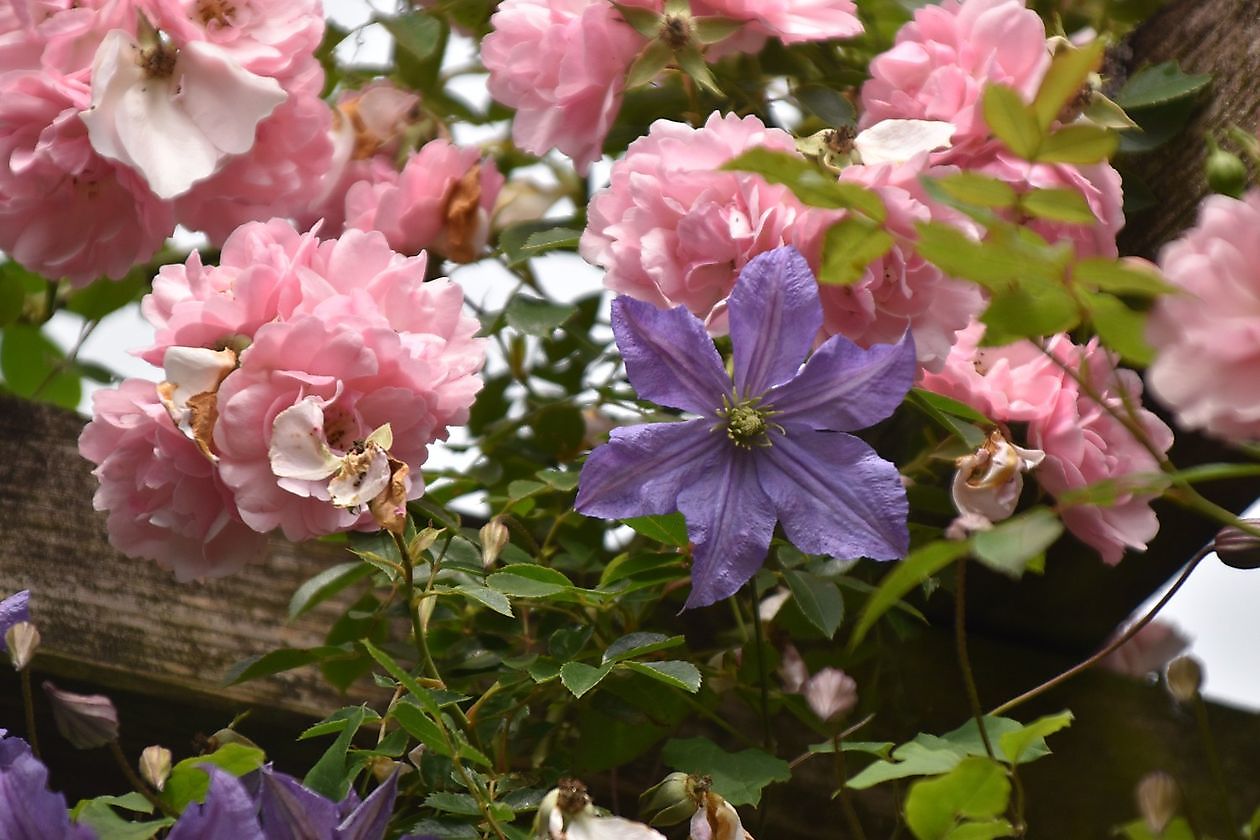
[
  {"x": 562, "y": 65},
  {"x": 1207, "y": 335},
  {"x": 791, "y": 21},
  {"x": 942, "y": 60},
  {"x": 164, "y": 498},
  {"x": 441, "y": 201}
]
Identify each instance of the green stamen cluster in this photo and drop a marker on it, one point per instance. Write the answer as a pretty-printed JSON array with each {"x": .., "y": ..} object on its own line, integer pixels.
[{"x": 746, "y": 423}]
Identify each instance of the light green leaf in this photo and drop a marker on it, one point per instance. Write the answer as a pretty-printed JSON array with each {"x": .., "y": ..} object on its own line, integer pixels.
[
  {"x": 1067, "y": 75},
  {"x": 978, "y": 789},
  {"x": 1078, "y": 143},
  {"x": 496, "y": 601},
  {"x": 1157, "y": 85},
  {"x": 188, "y": 782},
  {"x": 670, "y": 529},
  {"x": 1031, "y": 310},
  {"x": 1178, "y": 829},
  {"x": 1108, "y": 275},
  {"x": 1122, "y": 329},
  {"x": 649, "y": 63},
  {"x": 709, "y": 29},
  {"x": 105, "y": 296},
  {"x": 580, "y": 678},
  {"x": 421, "y": 727},
  {"x": 807, "y": 182},
  {"x": 980, "y": 190},
  {"x": 920, "y": 565},
  {"x": 1010, "y": 545},
  {"x": 819, "y": 600},
  {"x": 738, "y": 777},
  {"x": 1011, "y": 121},
  {"x": 910, "y": 759},
  {"x": 987, "y": 830},
  {"x": 1015, "y": 743},
  {"x": 673, "y": 672},
  {"x": 849, "y": 246},
  {"x": 1059, "y": 205}
]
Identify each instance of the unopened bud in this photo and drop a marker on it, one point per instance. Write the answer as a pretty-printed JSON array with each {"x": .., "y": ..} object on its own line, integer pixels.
[
  {"x": 85, "y": 720},
  {"x": 1158, "y": 799},
  {"x": 22, "y": 639},
  {"x": 670, "y": 801},
  {"x": 417, "y": 755},
  {"x": 1184, "y": 676},
  {"x": 831, "y": 693},
  {"x": 155, "y": 765},
  {"x": 1238, "y": 548},
  {"x": 382, "y": 768},
  {"x": 1226, "y": 173},
  {"x": 494, "y": 536}
]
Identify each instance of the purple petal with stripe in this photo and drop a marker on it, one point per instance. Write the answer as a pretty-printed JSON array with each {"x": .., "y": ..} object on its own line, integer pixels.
[
  {"x": 371, "y": 818},
  {"x": 835, "y": 495},
  {"x": 642, "y": 469},
  {"x": 228, "y": 812},
  {"x": 291, "y": 812},
  {"x": 670, "y": 359},
  {"x": 843, "y": 387},
  {"x": 729, "y": 522},
  {"x": 774, "y": 316}
]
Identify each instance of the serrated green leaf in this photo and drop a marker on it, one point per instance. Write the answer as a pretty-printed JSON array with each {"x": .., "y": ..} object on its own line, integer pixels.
[
  {"x": 978, "y": 789},
  {"x": 738, "y": 777},
  {"x": 325, "y": 585},
  {"x": 1158, "y": 85},
  {"x": 1031, "y": 310},
  {"x": 421, "y": 727},
  {"x": 1059, "y": 205},
  {"x": 670, "y": 529},
  {"x": 418, "y": 33},
  {"x": 453, "y": 803},
  {"x": 555, "y": 239},
  {"x": 673, "y": 672},
  {"x": 1078, "y": 143},
  {"x": 331, "y": 775},
  {"x": 1065, "y": 78},
  {"x": 639, "y": 644},
  {"x": 1014, "y": 744},
  {"x": 422, "y": 695},
  {"x": 1009, "y": 546},
  {"x": 818, "y": 600},
  {"x": 534, "y": 316},
  {"x": 188, "y": 782},
  {"x": 491, "y": 598},
  {"x": 579, "y": 678},
  {"x": 849, "y": 246},
  {"x": 920, "y": 565},
  {"x": 524, "y": 580},
  {"x": 1011, "y": 121}
]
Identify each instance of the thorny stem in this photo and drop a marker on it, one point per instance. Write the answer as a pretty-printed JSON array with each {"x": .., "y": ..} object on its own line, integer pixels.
[
  {"x": 964, "y": 660},
  {"x": 1214, "y": 761},
  {"x": 1120, "y": 640},
  {"x": 28, "y": 701},
  {"x": 136, "y": 782},
  {"x": 846, "y": 799}
]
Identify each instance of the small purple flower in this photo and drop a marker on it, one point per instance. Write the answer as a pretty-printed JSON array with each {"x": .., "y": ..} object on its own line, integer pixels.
[
  {"x": 13, "y": 609},
  {"x": 769, "y": 446},
  {"x": 28, "y": 809}
]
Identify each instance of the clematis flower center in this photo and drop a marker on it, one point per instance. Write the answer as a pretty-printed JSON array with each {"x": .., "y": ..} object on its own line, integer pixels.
[{"x": 747, "y": 423}]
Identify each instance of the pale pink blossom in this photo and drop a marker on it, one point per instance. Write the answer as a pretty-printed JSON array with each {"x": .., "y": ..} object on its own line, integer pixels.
[
  {"x": 1206, "y": 335},
  {"x": 164, "y": 498},
  {"x": 1153, "y": 647},
  {"x": 673, "y": 230},
  {"x": 562, "y": 65},
  {"x": 65, "y": 211},
  {"x": 276, "y": 177},
  {"x": 790, "y": 21},
  {"x": 830, "y": 693},
  {"x": 942, "y": 60},
  {"x": 441, "y": 201},
  {"x": 174, "y": 115}
]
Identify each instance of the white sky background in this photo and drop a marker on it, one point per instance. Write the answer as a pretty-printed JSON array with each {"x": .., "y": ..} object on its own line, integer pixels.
[{"x": 1216, "y": 608}]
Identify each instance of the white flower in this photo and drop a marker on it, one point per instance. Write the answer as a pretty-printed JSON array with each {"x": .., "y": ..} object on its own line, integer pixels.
[
  {"x": 188, "y": 393},
  {"x": 303, "y": 461},
  {"x": 988, "y": 482},
  {"x": 174, "y": 115},
  {"x": 897, "y": 141},
  {"x": 566, "y": 813}
]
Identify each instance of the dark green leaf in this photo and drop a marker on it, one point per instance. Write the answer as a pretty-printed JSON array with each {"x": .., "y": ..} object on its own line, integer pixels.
[
  {"x": 826, "y": 103},
  {"x": 453, "y": 803},
  {"x": 278, "y": 661},
  {"x": 496, "y": 601},
  {"x": 818, "y": 600},
  {"x": 580, "y": 678},
  {"x": 639, "y": 644},
  {"x": 1010, "y": 545},
  {"x": 674, "y": 672},
  {"x": 522, "y": 580},
  {"x": 739, "y": 777},
  {"x": 1157, "y": 85},
  {"x": 330, "y": 776},
  {"x": 534, "y": 316},
  {"x": 670, "y": 529},
  {"x": 905, "y": 576},
  {"x": 421, "y": 727},
  {"x": 105, "y": 296},
  {"x": 418, "y": 33},
  {"x": 325, "y": 585},
  {"x": 34, "y": 367}
]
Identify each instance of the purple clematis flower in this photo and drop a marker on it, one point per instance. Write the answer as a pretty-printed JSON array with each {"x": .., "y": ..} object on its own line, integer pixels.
[
  {"x": 13, "y": 609},
  {"x": 769, "y": 446},
  {"x": 28, "y": 809}
]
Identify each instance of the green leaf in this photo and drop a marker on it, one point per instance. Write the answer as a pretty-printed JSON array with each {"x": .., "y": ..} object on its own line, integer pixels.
[
  {"x": 987, "y": 830},
  {"x": 1159, "y": 84},
  {"x": 1118, "y": 278},
  {"x": 34, "y": 367},
  {"x": 1178, "y": 829},
  {"x": 524, "y": 580},
  {"x": 949, "y": 405},
  {"x": 422, "y": 695},
  {"x": 738, "y": 777},
  {"x": 283, "y": 659},
  {"x": 1060, "y": 205},
  {"x": 421, "y": 727},
  {"x": 709, "y": 29},
  {"x": 910, "y": 759},
  {"x": 978, "y": 788},
  {"x": 826, "y": 103},
  {"x": 496, "y": 601},
  {"x": 330, "y": 776},
  {"x": 189, "y": 783},
  {"x": 807, "y": 182},
  {"x": 849, "y": 246},
  {"x": 1010, "y": 545},
  {"x": 1078, "y": 143},
  {"x": 453, "y": 803},
  {"x": 98, "y": 815},
  {"x": 1011, "y": 121},
  {"x": 920, "y": 565},
  {"x": 673, "y": 672},
  {"x": 980, "y": 190},
  {"x": 325, "y": 585},
  {"x": 1016, "y": 743},
  {"x": 416, "y": 32},
  {"x": 670, "y": 529},
  {"x": 639, "y": 644},
  {"x": 580, "y": 678},
  {"x": 12, "y": 295},
  {"x": 1031, "y": 310},
  {"x": 534, "y": 316},
  {"x": 105, "y": 296},
  {"x": 1120, "y": 328},
  {"x": 555, "y": 239},
  {"x": 818, "y": 600},
  {"x": 996, "y": 264},
  {"x": 965, "y": 431},
  {"x": 1064, "y": 80},
  {"x": 654, "y": 58}
]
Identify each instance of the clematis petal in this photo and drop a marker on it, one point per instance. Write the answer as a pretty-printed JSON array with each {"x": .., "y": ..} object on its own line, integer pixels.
[
  {"x": 228, "y": 812},
  {"x": 369, "y": 820},
  {"x": 298, "y": 449},
  {"x": 729, "y": 521},
  {"x": 670, "y": 359},
  {"x": 223, "y": 99},
  {"x": 774, "y": 316},
  {"x": 289, "y": 811},
  {"x": 835, "y": 495},
  {"x": 642, "y": 469},
  {"x": 13, "y": 609},
  {"x": 843, "y": 387}
]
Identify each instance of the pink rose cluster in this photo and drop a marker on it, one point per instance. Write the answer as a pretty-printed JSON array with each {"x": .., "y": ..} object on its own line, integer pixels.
[
  {"x": 302, "y": 383},
  {"x": 1067, "y": 396},
  {"x": 562, "y": 63},
  {"x": 1206, "y": 335}
]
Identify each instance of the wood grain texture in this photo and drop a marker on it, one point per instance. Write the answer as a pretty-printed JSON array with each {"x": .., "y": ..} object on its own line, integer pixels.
[{"x": 1219, "y": 37}]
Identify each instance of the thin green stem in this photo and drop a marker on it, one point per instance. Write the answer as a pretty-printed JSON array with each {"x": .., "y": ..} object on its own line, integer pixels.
[
  {"x": 964, "y": 660},
  {"x": 846, "y": 798},
  {"x": 1120, "y": 640},
  {"x": 28, "y": 701},
  {"x": 1214, "y": 762},
  {"x": 762, "y": 678},
  {"x": 413, "y": 611}
]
